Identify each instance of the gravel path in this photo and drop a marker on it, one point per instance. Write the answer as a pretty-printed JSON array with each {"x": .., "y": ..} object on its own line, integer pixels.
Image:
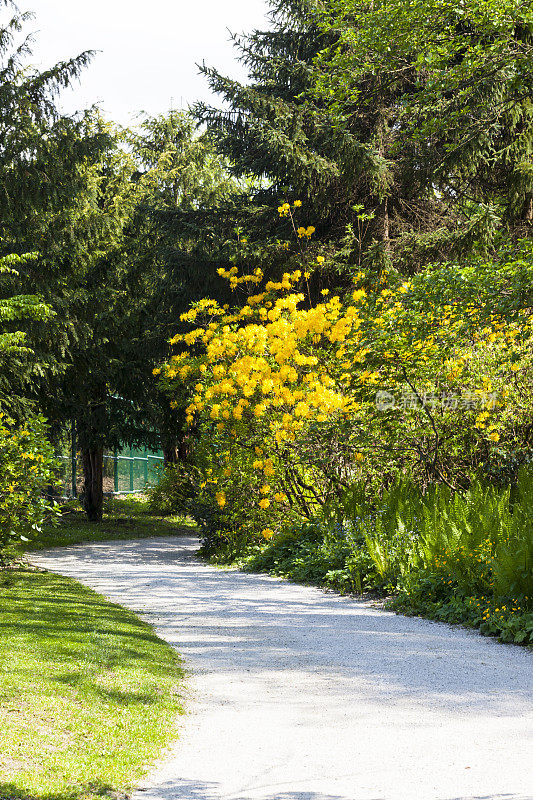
[{"x": 296, "y": 694}]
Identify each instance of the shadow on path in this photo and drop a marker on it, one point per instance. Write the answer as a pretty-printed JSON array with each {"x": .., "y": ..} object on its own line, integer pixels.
[
  {"x": 225, "y": 619},
  {"x": 197, "y": 790}
]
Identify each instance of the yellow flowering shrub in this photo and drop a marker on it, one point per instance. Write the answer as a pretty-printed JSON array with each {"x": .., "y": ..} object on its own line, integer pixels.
[
  {"x": 26, "y": 468},
  {"x": 297, "y": 393},
  {"x": 380, "y": 380}
]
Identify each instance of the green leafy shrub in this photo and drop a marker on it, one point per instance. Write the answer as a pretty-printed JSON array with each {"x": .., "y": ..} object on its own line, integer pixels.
[
  {"x": 175, "y": 488},
  {"x": 27, "y": 468},
  {"x": 327, "y": 555}
]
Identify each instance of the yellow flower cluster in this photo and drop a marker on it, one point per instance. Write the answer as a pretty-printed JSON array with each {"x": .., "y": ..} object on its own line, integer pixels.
[
  {"x": 266, "y": 371},
  {"x": 285, "y": 208},
  {"x": 231, "y": 275}
]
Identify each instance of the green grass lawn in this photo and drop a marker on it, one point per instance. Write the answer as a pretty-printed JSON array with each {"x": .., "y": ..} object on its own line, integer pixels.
[
  {"x": 88, "y": 694},
  {"x": 127, "y": 517}
]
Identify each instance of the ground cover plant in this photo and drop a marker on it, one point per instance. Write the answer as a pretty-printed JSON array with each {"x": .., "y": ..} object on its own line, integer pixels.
[
  {"x": 464, "y": 558},
  {"x": 88, "y": 694}
]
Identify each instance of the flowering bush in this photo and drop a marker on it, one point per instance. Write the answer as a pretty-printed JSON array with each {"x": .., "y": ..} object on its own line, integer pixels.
[
  {"x": 26, "y": 468},
  {"x": 297, "y": 400}
]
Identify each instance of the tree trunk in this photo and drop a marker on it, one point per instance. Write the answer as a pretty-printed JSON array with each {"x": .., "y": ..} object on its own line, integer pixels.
[
  {"x": 386, "y": 227},
  {"x": 170, "y": 454},
  {"x": 176, "y": 450},
  {"x": 93, "y": 484}
]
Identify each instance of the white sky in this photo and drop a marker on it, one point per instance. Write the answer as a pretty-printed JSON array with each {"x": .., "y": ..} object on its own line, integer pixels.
[{"x": 149, "y": 48}]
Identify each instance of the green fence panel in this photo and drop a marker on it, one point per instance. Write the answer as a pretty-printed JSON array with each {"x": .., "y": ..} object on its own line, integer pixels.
[{"x": 123, "y": 474}]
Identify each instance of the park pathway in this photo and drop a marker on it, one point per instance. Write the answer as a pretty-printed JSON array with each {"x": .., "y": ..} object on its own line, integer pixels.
[{"x": 297, "y": 694}]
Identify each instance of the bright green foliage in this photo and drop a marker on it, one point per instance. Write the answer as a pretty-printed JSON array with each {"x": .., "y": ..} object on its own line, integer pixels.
[
  {"x": 91, "y": 695},
  {"x": 15, "y": 354},
  {"x": 26, "y": 469},
  {"x": 459, "y": 558},
  {"x": 178, "y": 169},
  {"x": 47, "y": 210}
]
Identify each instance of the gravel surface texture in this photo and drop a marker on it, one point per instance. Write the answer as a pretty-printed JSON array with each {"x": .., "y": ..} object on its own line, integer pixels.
[{"x": 298, "y": 694}]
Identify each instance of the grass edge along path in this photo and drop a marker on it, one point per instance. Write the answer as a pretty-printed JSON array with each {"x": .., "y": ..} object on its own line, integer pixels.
[
  {"x": 89, "y": 695},
  {"x": 125, "y": 518}
]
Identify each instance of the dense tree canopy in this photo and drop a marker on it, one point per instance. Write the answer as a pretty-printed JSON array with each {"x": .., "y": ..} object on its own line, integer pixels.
[
  {"x": 451, "y": 84},
  {"x": 373, "y": 142}
]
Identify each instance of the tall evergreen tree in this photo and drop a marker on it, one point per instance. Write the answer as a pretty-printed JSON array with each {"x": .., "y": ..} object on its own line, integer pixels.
[
  {"x": 172, "y": 258},
  {"x": 453, "y": 80},
  {"x": 46, "y": 216},
  {"x": 277, "y": 130},
  {"x": 138, "y": 282}
]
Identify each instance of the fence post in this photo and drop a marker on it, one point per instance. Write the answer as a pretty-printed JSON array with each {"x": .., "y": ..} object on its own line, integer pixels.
[
  {"x": 131, "y": 469},
  {"x": 145, "y": 467},
  {"x": 115, "y": 469},
  {"x": 73, "y": 460}
]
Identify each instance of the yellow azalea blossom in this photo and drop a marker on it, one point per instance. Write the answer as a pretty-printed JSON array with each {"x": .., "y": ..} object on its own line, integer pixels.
[
  {"x": 279, "y": 364},
  {"x": 268, "y": 469}
]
